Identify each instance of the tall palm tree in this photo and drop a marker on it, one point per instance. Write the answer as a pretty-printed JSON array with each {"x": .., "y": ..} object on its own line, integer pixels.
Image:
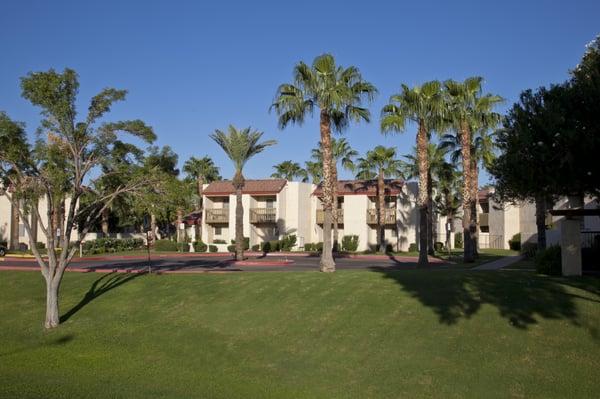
[
  {"x": 436, "y": 160},
  {"x": 314, "y": 169},
  {"x": 423, "y": 105},
  {"x": 240, "y": 146},
  {"x": 380, "y": 162},
  {"x": 343, "y": 154},
  {"x": 288, "y": 170},
  {"x": 469, "y": 110},
  {"x": 338, "y": 93},
  {"x": 202, "y": 170}
]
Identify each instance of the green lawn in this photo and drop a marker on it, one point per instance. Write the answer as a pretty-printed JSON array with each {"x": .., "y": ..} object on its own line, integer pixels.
[
  {"x": 485, "y": 255},
  {"x": 352, "y": 334}
]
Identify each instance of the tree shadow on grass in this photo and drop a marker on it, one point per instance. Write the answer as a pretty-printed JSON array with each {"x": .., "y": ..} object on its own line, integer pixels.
[
  {"x": 99, "y": 287},
  {"x": 520, "y": 297}
]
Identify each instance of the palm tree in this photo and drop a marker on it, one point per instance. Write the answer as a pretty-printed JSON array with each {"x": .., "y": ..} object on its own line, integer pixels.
[
  {"x": 482, "y": 153},
  {"x": 202, "y": 170},
  {"x": 469, "y": 110},
  {"x": 447, "y": 201},
  {"x": 288, "y": 170},
  {"x": 240, "y": 146},
  {"x": 380, "y": 162},
  {"x": 343, "y": 154},
  {"x": 423, "y": 105},
  {"x": 436, "y": 160},
  {"x": 338, "y": 93},
  {"x": 314, "y": 169}
]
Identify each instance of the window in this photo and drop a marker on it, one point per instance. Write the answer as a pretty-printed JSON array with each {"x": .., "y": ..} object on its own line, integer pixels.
[{"x": 218, "y": 231}]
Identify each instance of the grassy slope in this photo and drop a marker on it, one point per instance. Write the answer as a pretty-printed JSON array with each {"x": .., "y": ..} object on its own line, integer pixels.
[{"x": 287, "y": 335}]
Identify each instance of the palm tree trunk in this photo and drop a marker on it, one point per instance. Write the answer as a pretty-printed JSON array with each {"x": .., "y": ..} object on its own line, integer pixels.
[
  {"x": 540, "y": 221},
  {"x": 14, "y": 227},
  {"x": 430, "y": 247},
  {"x": 238, "y": 183},
  {"x": 200, "y": 188},
  {"x": 381, "y": 211},
  {"x": 334, "y": 213},
  {"x": 465, "y": 140},
  {"x": 327, "y": 263},
  {"x": 422, "y": 200},
  {"x": 474, "y": 205}
]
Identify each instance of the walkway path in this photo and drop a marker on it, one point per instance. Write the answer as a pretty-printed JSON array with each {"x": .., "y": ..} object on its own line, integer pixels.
[{"x": 500, "y": 263}]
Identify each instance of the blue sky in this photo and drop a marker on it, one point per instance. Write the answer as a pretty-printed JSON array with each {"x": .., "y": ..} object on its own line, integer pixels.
[{"x": 191, "y": 67}]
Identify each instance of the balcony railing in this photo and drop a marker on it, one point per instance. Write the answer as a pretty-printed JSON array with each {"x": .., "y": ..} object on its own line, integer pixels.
[
  {"x": 217, "y": 215},
  {"x": 263, "y": 215},
  {"x": 389, "y": 216},
  {"x": 321, "y": 216},
  {"x": 484, "y": 219}
]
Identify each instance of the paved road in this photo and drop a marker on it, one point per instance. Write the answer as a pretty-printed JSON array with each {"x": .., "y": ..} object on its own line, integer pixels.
[{"x": 199, "y": 263}]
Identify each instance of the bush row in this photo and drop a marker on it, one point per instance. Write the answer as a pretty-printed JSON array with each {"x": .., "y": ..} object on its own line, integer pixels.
[{"x": 108, "y": 245}]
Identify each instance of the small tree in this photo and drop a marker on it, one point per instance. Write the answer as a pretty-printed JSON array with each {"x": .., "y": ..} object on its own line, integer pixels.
[
  {"x": 58, "y": 168},
  {"x": 289, "y": 170}
]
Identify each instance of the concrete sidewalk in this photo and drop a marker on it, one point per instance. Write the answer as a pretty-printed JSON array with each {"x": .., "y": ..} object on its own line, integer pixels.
[{"x": 500, "y": 263}]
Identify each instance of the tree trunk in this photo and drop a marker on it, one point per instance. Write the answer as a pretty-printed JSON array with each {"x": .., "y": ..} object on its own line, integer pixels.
[
  {"x": 178, "y": 227},
  {"x": 465, "y": 140},
  {"x": 104, "y": 222},
  {"x": 449, "y": 222},
  {"x": 540, "y": 221},
  {"x": 200, "y": 206},
  {"x": 153, "y": 226},
  {"x": 52, "y": 288},
  {"x": 334, "y": 215},
  {"x": 14, "y": 227},
  {"x": 430, "y": 246},
  {"x": 381, "y": 211},
  {"x": 422, "y": 200},
  {"x": 238, "y": 182},
  {"x": 34, "y": 221},
  {"x": 327, "y": 263},
  {"x": 475, "y": 204}
]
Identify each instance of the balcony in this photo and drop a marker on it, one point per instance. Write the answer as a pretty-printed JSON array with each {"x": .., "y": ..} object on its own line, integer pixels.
[
  {"x": 263, "y": 215},
  {"x": 389, "y": 216},
  {"x": 217, "y": 215},
  {"x": 321, "y": 216},
  {"x": 484, "y": 220}
]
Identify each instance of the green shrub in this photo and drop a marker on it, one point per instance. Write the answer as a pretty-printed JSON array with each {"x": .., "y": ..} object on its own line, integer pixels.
[
  {"x": 529, "y": 249},
  {"x": 246, "y": 243},
  {"x": 515, "y": 242},
  {"x": 219, "y": 241},
  {"x": 458, "y": 240},
  {"x": 231, "y": 248},
  {"x": 389, "y": 248},
  {"x": 265, "y": 246},
  {"x": 256, "y": 248},
  {"x": 318, "y": 247},
  {"x": 350, "y": 243},
  {"x": 548, "y": 261},
  {"x": 183, "y": 247},
  {"x": 309, "y": 247},
  {"x": 108, "y": 245},
  {"x": 41, "y": 245},
  {"x": 438, "y": 246},
  {"x": 287, "y": 242},
  {"x": 275, "y": 245},
  {"x": 165, "y": 245},
  {"x": 199, "y": 246},
  {"x": 413, "y": 247},
  {"x": 213, "y": 248}
]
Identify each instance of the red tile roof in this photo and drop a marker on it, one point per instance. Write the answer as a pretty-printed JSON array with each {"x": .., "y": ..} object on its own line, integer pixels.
[
  {"x": 484, "y": 194},
  {"x": 253, "y": 187},
  {"x": 364, "y": 187}
]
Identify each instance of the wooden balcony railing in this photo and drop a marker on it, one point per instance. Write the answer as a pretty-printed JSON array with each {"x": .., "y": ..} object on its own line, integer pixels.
[
  {"x": 321, "y": 216},
  {"x": 217, "y": 215},
  {"x": 484, "y": 219},
  {"x": 263, "y": 215},
  {"x": 389, "y": 216}
]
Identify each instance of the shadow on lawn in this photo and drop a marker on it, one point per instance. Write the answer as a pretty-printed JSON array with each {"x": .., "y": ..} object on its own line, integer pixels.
[
  {"x": 99, "y": 287},
  {"x": 519, "y": 297}
]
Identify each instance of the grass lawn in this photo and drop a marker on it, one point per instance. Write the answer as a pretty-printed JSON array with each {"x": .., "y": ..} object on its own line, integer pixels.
[
  {"x": 485, "y": 255},
  {"x": 352, "y": 334}
]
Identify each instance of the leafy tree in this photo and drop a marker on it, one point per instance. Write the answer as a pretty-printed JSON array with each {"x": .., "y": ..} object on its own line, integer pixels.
[
  {"x": 240, "y": 146},
  {"x": 423, "y": 105},
  {"x": 60, "y": 165},
  {"x": 380, "y": 162},
  {"x": 289, "y": 170},
  {"x": 343, "y": 154},
  {"x": 202, "y": 170},
  {"x": 338, "y": 93},
  {"x": 468, "y": 110}
]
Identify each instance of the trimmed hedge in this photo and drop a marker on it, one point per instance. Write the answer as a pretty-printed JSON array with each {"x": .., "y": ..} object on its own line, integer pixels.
[
  {"x": 219, "y": 241},
  {"x": 231, "y": 248},
  {"x": 199, "y": 246},
  {"x": 213, "y": 248},
  {"x": 548, "y": 261},
  {"x": 256, "y": 248},
  {"x": 108, "y": 245},
  {"x": 515, "y": 242},
  {"x": 350, "y": 243},
  {"x": 413, "y": 247},
  {"x": 438, "y": 246},
  {"x": 287, "y": 242}
]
